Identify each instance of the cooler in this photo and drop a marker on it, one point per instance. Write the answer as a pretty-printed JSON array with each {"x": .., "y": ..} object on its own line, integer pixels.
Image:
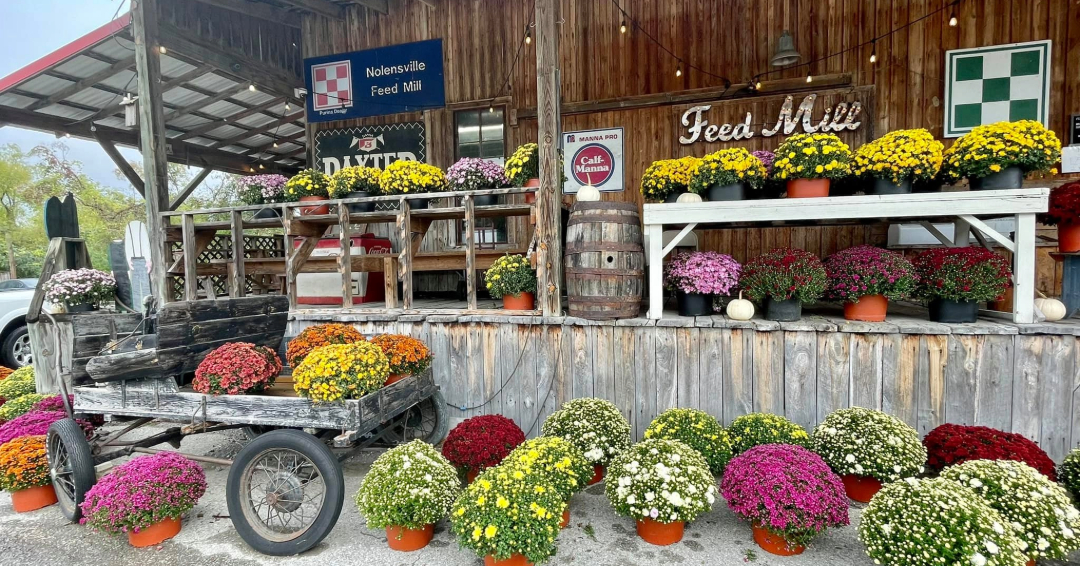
[{"x": 325, "y": 288}]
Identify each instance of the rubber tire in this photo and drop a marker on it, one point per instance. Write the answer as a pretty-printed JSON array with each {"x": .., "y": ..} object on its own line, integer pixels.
[
  {"x": 7, "y": 359},
  {"x": 329, "y": 469},
  {"x": 442, "y": 421},
  {"x": 82, "y": 465}
]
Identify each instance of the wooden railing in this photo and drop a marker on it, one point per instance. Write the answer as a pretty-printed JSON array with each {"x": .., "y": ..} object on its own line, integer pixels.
[{"x": 302, "y": 233}]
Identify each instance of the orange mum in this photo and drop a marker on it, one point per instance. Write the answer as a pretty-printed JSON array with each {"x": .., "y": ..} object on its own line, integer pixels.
[
  {"x": 318, "y": 336},
  {"x": 407, "y": 355},
  {"x": 24, "y": 463},
  {"x": 4, "y": 372}
]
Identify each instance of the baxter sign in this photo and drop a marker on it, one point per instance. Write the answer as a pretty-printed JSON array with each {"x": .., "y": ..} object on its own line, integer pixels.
[
  {"x": 375, "y": 82},
  {"x": 369, "y": 146}
]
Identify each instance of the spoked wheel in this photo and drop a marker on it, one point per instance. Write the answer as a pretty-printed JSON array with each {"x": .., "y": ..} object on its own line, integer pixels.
[
  {"x": 70, "y": 465},
  {"x": 285, "y": 492},
  {"x": 424, "y": 421}
]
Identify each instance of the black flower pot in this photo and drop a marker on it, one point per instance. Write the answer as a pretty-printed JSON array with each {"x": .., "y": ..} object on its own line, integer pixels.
[
  {"x": 485, "y": 200},
  {"x": 360, "y": 206},
  {"x": 694, "y": 304},
  {"x": 85, "y": 307},
  {"x": 1007, "y": 178},
  {"x": 887, "y": 187},
  {"x": 931, "y": 186},
  {"x": 718, "y": 192},
  {"x": 788, "y": 310},
  {"x": 268, "y": 213},
  {"x": 674, "y": 197},
  {"x": 418, "y": 203},
  {"x": 942, "y": 310}
]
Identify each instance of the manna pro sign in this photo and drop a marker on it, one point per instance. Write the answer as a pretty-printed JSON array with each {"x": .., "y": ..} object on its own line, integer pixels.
[{"x": 593, "y": 157}]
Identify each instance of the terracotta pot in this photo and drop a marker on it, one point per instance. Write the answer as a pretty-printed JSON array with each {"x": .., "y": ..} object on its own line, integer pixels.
[
  {"x": 519, "y": 302},
  {"x": 514, "y": 560},
  {"x": 531, "y": 197},
  {"x": 775, "y": 544},
  {"x": 1069, "y": 237},
  {"x": 313, "y": 210},
  {"x": 861, "y": 488},
  {"x": 154, "y": 534},
  {"x": 1030, "y": 563},
  {"x": 660, "y": 534},
  {"x": 394, "y": 378},
  {"x": 808, "y": 188},
  {"x": 407, "y": 540},
  {"x": 871, "y": 308},
  {"x": 33, "y": 498},
  {"x": 598, "y": 474},
  {"x": 1005, "y": 304},
  {"x": 565, "y": 517},
  {"x": 470, "y": 476}
]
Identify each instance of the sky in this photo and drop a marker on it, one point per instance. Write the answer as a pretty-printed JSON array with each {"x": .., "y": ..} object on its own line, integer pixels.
[{"x": 31, "y": 29}]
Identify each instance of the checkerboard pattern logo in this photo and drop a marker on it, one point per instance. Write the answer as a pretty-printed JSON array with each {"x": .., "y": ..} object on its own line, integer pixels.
[
  {"x": 332, "y": 85},
  {"x": 996, "y": 84}
]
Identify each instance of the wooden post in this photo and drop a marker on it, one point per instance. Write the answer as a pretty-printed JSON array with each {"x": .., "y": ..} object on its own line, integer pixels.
[
  {"x": 144, "y": 21},
  {"x": 345, "y": 256},
  {"x": 390, "y": 279},
  {"x": 405, "y": 256},
  {"x": 191, "y": 256},
  {"x": 237, "y": 277},
  {"x": 549, "y": 196},
  {"x": 470, "y": 251}
]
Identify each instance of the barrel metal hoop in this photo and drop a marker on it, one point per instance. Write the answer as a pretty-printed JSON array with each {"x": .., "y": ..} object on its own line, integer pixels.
[
  {"x": 604, "y": 271},
  {"x": 606, "y": 218},
  {"x": 603, "y": 300},
  {"x": 579, "y": 248},
  {"x": 605, "y": 205}
]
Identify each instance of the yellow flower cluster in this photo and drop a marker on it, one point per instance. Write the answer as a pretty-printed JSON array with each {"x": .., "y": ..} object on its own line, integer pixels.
[
  {"x": 341, "y": 371},
  {"x": 354, "y": 180},
  {"x": 307, "y": 183},
  {"x": 668, "y": 177},
  {"x": 698, "y": 430},
  {"x": 903, "y": 155},
  {"x": 812, "y": 156},
  {"x": 562, "y": 465},
  {"x": 992, "y": 148},
  {"x": 756, "y": 429},
  {"x": 510, "y": 275},
  {"x": 411, "y": 177},
  {"x": 728, "y": 167},
  {"x": 523, "y": 165}
]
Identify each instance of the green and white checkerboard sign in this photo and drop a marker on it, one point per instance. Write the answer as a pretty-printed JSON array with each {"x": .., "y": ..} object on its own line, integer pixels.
[{"x": 1002, "y": 83}]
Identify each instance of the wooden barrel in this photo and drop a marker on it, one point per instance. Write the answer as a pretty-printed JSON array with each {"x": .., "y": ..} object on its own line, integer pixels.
[{"x": 604, "y": 260}]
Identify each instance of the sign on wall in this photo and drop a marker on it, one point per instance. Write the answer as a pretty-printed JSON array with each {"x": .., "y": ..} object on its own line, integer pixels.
[
  {"x": 593, "y": 157},
  {"x": 375, "y": 82},
  {"x": 370, "y": 146},
  {"x": 1000, "y": 83},
  {"x": 701, "y": 127}
]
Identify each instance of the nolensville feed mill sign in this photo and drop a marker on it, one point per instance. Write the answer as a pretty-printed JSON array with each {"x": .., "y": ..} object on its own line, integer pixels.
[
  {"x": 842, "y": 117},
  {"x": 370, "y": 146},
  {"x": 375, "y": 82}
]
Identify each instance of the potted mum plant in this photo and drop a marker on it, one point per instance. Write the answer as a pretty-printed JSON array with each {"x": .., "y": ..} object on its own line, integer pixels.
[
  {"x": 80, "y": 290},
  {"x": 37, "y": 422},
  {"x": 868, "y": 448},
  {"x": 513, "y": 279},
  {"x": 595, "y": 426},
  {"x": 951, "y": 444},
  {"x": 317, "y": 336},
  {"x": 1069, "y": 473},
  {"x": 756, "y": 429},
  {"x": 808, "y": 163},
  {"x": 787, "y": 494},
  {"x": 309, "y": 185},
  {"x": 1064, "y": 212},
  {"x": 916, "y": 522},
  {"x": 481, "y": 442},
  {"x": 523, "y": 169},
  {"x": 237, "y": 368},
  {"x": 864, "y": 278},
  {"x": 145, "y": 498},
  {"x": 956, "y": 280},
  {"x": 341, "y": 371},
  {"x": 404, "y": 177},
  {"x": 1047, "y": 523},
  {"x": 407, "y": 355},
  {"x": 698, "y": 430},
  {"x": 473, "y": 174},
  {"x": 668, "y": 179},
  {"x": 407, "y": 490},
  {"x": 262, "y": 189},
  {"x": 998, "y": 156},
  {"x": 697, "y": 277},
  {"x": 356, "y": 182},
  {"x": 18, "y": 406},
  {"x": 24, "y": 473},
  {"x": 893, "y": 162},
  {"x": 662, "y": 485},
  {"x": 726, "y": 174},
  {"x": 556, "y": 463},
  {"x": 784, "y": 279}
]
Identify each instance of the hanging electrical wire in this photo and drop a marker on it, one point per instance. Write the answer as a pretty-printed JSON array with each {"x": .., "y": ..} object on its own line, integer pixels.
[{"x": 679, "y": 61}]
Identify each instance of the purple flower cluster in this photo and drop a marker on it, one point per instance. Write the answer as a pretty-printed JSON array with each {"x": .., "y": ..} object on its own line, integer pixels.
[
  {"x": 80, "y": 287},
  {"x": 867, "y": 270},
  {"x": 472, "y": 174},
  {"x": 785, "y": 489},
  {"x": 36, "y": 422},
  {"x": 144, "y": 491},
  {"x": 707, "y": 273},
  {"x": 766, "y": 157},
  {"x": 271, "y": 187}
]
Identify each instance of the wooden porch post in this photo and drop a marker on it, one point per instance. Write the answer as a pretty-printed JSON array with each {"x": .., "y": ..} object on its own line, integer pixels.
[
  {"x": 549, "y": 198},
  {"x": 144, "y": 20}
]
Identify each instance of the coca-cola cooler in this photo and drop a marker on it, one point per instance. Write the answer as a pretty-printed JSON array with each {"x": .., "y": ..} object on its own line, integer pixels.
[{"x": 325, "y": 288}]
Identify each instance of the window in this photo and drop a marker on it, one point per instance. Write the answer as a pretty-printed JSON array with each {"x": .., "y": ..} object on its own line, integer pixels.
[{"x": 480, "y": 133}]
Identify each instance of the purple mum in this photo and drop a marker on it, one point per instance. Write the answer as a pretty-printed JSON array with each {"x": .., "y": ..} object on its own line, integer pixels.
[
  {"x": 37, "y": 422},
  {"x": 144, "y": 491},
  {"x": 708, "y": 273}
]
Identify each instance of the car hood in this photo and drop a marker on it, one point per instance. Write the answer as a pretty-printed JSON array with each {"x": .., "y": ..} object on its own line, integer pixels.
[{"x": 15, "y": 300}]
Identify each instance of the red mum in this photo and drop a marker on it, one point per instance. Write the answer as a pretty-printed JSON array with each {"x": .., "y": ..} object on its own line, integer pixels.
[
  {"x": 237, "y": 368},
  {"x": 482, "y": 442},
  {"x": 951, "y": 444}
]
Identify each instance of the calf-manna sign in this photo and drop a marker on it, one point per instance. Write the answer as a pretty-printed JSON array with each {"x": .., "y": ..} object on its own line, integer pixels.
[{"x": 593, "y": 157}]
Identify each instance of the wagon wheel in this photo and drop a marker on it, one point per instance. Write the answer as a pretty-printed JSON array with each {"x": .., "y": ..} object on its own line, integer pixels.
[
  {"x": 71, "y": 466},
  {"x": 285, "y": 492},
  {"x": 425, "y": 421}
]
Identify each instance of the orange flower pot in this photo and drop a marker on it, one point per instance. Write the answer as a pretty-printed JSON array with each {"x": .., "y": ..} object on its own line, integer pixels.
[
  {"x": 598, "y": 474},
  {"x": 154, "y": 534},
  {"x": 775, "y": 544},
  {"x": 565, "y": 518},
  {"x": 1030, "y": 563},
  {"x": 531, "y": 197},
  {"x": 1069, "y": 237},
  {"x": 1004, "y": 304},
  {"x": 407, "y": 540},
  {"x": 520, "y": 302},
  {"x": 861, "y": 488},
  {"x": 514, "y": 560},
  {"x": 394, "y": 378},
  {"x": 871, "y": 308},
  {"x": 808, "y": 188},
  {"x": 312, "y": 210},
  {"x": 470, "y": 475},
  {"x": 33, "y": 498},
  {"x": 660, "y": 534}
]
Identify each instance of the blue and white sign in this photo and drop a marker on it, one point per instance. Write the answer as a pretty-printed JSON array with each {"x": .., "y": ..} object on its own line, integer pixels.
[{"x": 375, "y": 82}]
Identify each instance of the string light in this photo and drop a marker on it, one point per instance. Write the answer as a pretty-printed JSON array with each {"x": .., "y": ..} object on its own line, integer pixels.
[
  {"x": 873, "y": 53},
  {"x": 678, "y": 69},
  {"x": 287, "y": 107},
  {"x": 251, "y": 87},
  {"x": 952, "y": 19},
  {"x": 757, "y": 85},
  {"x": 491, "y": 109},
  {"x": 261, "y": 166},
  {"x": 809, "y": 78},
  {"x": 622, "y": 27},
  {"x": 162, "y": 50},
  {"x": 528, "y": 36},
  {"x": 275, "y": 144}
]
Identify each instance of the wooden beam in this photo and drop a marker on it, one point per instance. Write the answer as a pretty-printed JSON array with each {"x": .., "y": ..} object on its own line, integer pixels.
[
  {"x": 390, "y": 281},
  {"x": 345, "y": 255},
  {"x": 231, "y": 62},
  {"x": 190, "y": 188},
  {"x": 549, "y": 196},
  {"x": 165, "y": 87},
  {"x": 215, "y": 124},
  {"x": 258, "y": 10},
  {"x": 258, "y": 131},
  {"x": 122, "y": 164},
  {"x": 470, "y": 251},
  {"x": 237, "y": 279},
  {"x": 203, "y": 103},
  {"x": 83, "y": 84},
  {"x": 405, "y": 257},
  {"x": 279, "y": 140},
  {"x": 191, "y": 258},
  {"x": 381, "y": 6},
  {"x": 321, "y": 7}
]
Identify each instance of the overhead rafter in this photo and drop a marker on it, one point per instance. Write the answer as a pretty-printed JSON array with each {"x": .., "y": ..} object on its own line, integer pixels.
[
  {"x": 203, "y": 103},
  {"x": 279, "y": 141},
  {"x": 190, "y": 188},
  {"x": 258, "y": 131},
  {"x": 165, "y": 87},
  {"x": 215, "y": 124},
  {"x": 230, "y": 61},
  {"x": 122, "y": 164},
  {"x": 259, "y": 10},
  {"x": 382, "y": 6},
  {"x": 85, "y": 83},
  {"x": 321, "y": 7}
]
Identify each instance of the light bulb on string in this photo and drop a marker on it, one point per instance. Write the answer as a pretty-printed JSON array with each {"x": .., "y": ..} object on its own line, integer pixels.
[
  {"x": 952, "y": 19},
  {"x": 622, "y": 27},
  {"x": 275, "y": 144},
  {"x": 287, "y": 107},
  {"x": 528, "y": 37},
  {"x": 251, "y": 87},
  {"x": 809, "y": 78},
  {"x": 678, "y": 70},
  {"x": 261, "y": 166},
  {"x": 162, "y": 50},
  {"x": 873, "y": 53}
]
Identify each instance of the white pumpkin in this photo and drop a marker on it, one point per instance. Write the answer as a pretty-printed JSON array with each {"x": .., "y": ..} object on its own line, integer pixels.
[
  {"x": 740, "y": 309},
  {"x": 588, "y": 193},
  {"x": 689, "y": 197},
  {"x": 1052, "y": 309}
]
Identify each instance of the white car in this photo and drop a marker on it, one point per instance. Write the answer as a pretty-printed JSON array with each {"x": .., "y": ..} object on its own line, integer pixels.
[{"x": 15, "y": 297}]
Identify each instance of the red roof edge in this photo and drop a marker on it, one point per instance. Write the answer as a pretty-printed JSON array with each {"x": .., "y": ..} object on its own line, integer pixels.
[{"x": 66, "y": 52}]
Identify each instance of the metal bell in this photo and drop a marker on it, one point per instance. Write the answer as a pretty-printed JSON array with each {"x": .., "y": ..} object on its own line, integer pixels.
[{"x": 785, "y": 51}]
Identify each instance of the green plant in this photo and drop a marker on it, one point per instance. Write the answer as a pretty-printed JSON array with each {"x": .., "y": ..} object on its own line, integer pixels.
[
  {"x": 1069, "y": 473},
  {"x": 354, "y": 180},
  {"x": 812, "y": 156},
  {"x": 698, "y": 430},
  {"x": 18, "y": 406},
  {"x": 307, "y": 183},
  {"x": 409, "y": 486},
  {"x": 662, "y": 480},
  {"x": 524, "y": 164},
  {"x": 782, "y": 274},
  {"x": 756, "y": 429},
  {"x": 595, "y": 426},
  {"x": 19, "y": 383},
  {"x": 728, "y": 167},
  {"x": 555, "y": 461},
  {"x": 864, "y": 442},
  {"x": 510, "y": 275}
]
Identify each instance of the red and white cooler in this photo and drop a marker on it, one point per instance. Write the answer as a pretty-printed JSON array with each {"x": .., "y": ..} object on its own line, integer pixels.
[{"x": 325, "y": 288}]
